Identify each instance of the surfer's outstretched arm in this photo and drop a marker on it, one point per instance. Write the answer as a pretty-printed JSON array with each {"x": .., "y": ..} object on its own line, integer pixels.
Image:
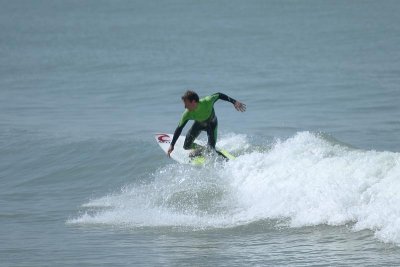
[
  {"x": 177, "y": 133},
  {"x": 238, "y": 105}
]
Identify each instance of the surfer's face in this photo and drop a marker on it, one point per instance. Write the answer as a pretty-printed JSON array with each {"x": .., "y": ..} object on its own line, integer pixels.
[{"x": 190, "y": 105}]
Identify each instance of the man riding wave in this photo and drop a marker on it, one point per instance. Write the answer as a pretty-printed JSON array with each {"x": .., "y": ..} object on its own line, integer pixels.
[{"x": 202, "y": 112}]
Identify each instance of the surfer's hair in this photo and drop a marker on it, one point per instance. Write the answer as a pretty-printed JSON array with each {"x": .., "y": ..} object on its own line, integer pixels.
[{"x": 190, "y": 95}]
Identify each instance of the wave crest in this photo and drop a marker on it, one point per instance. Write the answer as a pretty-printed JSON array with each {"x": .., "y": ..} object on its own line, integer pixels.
[{"x": 305, "y": 180}]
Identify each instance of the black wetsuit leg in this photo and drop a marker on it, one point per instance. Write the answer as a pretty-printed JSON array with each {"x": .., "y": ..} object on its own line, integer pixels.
[
  {"x": 212, "y": 127},
  {"x": 192, "y": 134}
]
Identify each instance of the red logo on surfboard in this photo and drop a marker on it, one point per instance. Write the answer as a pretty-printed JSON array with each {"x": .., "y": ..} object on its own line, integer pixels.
[{"x": 164, "y": 138}]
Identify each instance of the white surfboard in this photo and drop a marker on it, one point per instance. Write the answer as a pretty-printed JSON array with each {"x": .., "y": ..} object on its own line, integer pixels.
[{"x": 181, "y": 155}]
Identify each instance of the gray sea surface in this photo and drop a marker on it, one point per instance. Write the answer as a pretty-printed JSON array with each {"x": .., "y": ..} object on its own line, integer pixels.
[{"x": 85, "y": 85}]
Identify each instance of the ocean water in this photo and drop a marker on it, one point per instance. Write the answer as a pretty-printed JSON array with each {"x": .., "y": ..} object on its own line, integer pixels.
[{"x": 84, "y": 85}]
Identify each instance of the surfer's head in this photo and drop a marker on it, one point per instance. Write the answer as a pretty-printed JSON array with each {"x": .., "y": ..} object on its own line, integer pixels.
[{"x": 190, "y": 99}]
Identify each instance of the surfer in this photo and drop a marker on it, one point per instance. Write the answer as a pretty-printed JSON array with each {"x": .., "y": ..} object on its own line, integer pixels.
[{"x": 203, "y": 114}]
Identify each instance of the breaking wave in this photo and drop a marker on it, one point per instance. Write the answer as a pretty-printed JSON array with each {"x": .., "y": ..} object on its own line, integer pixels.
[{"x": 305, "y": 180}]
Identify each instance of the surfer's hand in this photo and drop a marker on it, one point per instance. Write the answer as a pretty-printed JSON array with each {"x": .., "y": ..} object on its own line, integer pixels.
[
  {"x": 170, "y": 149},
  {"x": 240, "y": 106}
]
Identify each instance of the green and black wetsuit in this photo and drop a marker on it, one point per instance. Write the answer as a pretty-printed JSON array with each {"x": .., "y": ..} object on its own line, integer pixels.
[{"x": 205, "y": 120}]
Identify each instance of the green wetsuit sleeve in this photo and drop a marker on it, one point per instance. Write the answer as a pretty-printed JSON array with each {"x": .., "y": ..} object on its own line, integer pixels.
[{"x": 185, "y": 117}]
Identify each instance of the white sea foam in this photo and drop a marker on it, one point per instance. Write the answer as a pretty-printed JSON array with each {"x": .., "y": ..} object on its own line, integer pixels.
[{"x": 305, "y": 180}]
